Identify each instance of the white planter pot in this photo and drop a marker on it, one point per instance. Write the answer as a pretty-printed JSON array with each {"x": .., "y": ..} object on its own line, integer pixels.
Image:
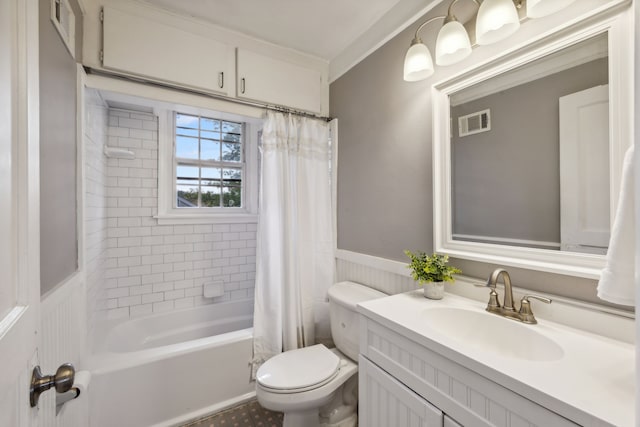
[{"x": 434, "y": 290}]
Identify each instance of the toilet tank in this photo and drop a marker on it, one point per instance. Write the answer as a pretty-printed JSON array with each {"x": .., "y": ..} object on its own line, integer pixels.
[{"x": 343, "y": 297}]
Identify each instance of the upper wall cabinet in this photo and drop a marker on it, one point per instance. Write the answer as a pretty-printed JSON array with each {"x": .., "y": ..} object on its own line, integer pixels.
[
  {"x": 266, "y": 79},
  {"x": 136, "y": 45}
]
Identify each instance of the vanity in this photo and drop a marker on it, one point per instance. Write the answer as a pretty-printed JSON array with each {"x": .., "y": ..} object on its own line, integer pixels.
[{"x": 450, "y": 362}]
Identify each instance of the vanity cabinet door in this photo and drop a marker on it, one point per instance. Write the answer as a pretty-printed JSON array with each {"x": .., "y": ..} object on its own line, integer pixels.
[
  {"x": 385, "y": 402},
  {"x": 473, "y": 400}
]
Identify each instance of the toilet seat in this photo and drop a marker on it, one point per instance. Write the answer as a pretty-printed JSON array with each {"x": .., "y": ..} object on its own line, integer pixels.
[{"x": 299, "y": 370}]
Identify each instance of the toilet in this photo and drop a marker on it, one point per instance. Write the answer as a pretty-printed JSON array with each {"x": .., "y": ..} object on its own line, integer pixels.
[{"x": 318, "y": 386}]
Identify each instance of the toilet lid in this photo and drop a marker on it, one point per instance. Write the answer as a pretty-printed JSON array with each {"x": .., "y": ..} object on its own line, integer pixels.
[{"x": 301, "y": 368}]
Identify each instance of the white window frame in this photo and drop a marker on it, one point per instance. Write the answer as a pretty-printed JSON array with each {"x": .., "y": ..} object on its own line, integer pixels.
[{"x": 168, "y": 213}]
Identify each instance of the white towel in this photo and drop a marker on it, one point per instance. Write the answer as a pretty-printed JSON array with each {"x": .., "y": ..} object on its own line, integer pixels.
[{"x": 617, "y": 281}]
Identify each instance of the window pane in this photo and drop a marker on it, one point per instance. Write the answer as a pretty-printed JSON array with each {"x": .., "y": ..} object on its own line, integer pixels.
[
  {"x": 209, "y": 150},
  {"x": 232, "y": 127},
  {"x": 207, "y": 143},
  {"x": 187, "y": 196},
  {"x": 231, "y": 152},
  {"x": 186, "y": 172},
  {"x": 186, "y": 148},
  {"x": 211, "y": 196},
  {"x": 232, "y": 197},
  {"x": 187, "y": 132},
  {"x": 231, "y": 137},
  {"x": 209, "y": 124},
  {"x": 186, "y": 121},
  {"x": 210, "y": 135},
  {"x": 210, "y": 176},
  {"x": 232, "y": 176}
]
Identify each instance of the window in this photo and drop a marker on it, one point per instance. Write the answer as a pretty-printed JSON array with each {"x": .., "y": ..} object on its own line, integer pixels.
[
  {"x": 209, "y": 162},
  {"x": 207, "y": 165}
]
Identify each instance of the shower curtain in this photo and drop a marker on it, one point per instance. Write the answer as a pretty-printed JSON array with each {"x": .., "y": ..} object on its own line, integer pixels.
[{"x": 294, "y": 260}]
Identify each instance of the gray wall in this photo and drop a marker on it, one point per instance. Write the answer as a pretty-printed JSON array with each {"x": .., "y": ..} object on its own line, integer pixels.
[
  {"x": 58, "y": 213},
  {"x": 506, "y": 181},
  {"x": 385, "y": 195},
  {"x": 384, "y": 156}
]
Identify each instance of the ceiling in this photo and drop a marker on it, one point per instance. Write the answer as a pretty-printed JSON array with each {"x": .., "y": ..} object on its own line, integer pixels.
[{"x": 320, "y": 28}]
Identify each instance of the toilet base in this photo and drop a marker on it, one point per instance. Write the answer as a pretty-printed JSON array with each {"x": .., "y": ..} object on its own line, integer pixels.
[
  {"x": 302, "y": 418},
  {"x": 351, "y": 421}
]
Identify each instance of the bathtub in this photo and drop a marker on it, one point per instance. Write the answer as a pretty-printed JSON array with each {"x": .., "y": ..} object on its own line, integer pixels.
[{"x": 166, "y": 369}]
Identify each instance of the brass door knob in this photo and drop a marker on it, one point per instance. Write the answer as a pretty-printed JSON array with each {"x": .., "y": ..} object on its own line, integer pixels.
[{"x": 62, "y": 381}]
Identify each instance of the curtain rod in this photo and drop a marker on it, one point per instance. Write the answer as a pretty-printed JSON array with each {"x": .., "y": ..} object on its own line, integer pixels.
[{"x": 257, "y": 104}]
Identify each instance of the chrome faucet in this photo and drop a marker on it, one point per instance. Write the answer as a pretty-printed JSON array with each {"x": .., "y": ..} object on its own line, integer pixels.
[
  {"x": 508, "y": 291},
  {"x": 524, "y": 314}
]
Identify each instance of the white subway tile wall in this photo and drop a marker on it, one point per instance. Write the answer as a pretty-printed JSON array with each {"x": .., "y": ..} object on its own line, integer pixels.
[
  {"x": 95, "y": 204},
  {"x": 151, "y": 267}
]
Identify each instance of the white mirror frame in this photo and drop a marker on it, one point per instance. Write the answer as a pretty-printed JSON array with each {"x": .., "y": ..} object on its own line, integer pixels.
[{"x": 620, "y": 51}]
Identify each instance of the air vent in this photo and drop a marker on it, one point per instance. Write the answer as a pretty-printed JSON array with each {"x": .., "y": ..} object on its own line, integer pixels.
[{"x": 474, "y": 123}]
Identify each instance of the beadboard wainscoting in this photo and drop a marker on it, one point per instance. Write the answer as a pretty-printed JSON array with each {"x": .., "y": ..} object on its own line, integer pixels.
[
  {"x": 63, "y": 338},
  {"x": 390, "y": 277}
]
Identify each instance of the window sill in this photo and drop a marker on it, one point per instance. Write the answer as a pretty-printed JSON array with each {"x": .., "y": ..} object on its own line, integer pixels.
[{"x": 177, "y": 219}]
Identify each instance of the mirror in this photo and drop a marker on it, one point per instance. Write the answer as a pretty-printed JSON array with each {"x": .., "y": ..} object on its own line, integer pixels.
[
  {"x": 521, "y": 145},
  {"x": 528, "y": 157}
]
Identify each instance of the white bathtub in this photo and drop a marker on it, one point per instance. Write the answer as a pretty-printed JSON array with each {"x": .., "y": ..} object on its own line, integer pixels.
[{"x": 166, "y": 369}]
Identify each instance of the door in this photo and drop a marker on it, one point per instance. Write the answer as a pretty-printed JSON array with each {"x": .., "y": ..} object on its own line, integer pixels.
[
  {"x": 584, "y": 171},
  {"x": 19, "y": 210},
  {"x": 384, "y": 401}
]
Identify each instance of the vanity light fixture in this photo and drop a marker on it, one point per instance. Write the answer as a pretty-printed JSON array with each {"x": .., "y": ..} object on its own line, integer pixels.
[
  {"x": 418, "y": 64},
  {"x": 452, "y": 44},
  {"x": 540, "y": 8},
  {"x": 495, "y": 21}
]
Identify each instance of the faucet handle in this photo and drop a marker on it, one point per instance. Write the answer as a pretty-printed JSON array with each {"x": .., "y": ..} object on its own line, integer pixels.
[
  {"x": 487, "y": 284},
  {"x": 526, "y": 315},
  {"x": 493, "y": 304},
  {"x": 538, "y": 297}
]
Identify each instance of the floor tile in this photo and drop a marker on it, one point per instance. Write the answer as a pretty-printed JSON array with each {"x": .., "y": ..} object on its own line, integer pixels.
[{"x": 250, "y": 414}]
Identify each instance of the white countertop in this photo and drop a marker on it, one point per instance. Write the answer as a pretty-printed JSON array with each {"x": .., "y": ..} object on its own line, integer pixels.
[{"x": 592, "y": 384}]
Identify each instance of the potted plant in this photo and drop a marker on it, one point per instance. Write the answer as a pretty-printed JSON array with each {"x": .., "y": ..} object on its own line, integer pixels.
[{"x": 431, "y": 272}]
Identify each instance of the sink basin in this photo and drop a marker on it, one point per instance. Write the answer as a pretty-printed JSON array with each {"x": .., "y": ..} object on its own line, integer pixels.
[{"x": 491, "y": 333}]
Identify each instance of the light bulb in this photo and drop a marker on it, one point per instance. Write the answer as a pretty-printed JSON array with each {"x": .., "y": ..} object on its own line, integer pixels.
[
  {"x": 418, "y": 64},
  {"x": 497, "y": 20},
  {"x": 452, "y": 44}
]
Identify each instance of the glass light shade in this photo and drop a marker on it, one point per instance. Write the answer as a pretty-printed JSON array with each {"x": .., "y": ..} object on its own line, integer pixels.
[
  {"x": 452, "y": 44},
  {"x": 497, "y": 20},
  {"x": 418, "y": 64},
  {"x": 540, "y": 8}
]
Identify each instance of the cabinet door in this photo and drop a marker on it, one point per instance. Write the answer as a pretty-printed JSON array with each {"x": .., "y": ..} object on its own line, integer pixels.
[
  {"x": 139, "y": 46},
  {"x": 269, "y": 80},
  {"x": 384, "y": 402}
]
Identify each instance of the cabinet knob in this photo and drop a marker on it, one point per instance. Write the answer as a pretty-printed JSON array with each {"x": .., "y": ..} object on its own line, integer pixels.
[
  {"x": 221, "y": 79},
  {"x": 242, "y": 85}
]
